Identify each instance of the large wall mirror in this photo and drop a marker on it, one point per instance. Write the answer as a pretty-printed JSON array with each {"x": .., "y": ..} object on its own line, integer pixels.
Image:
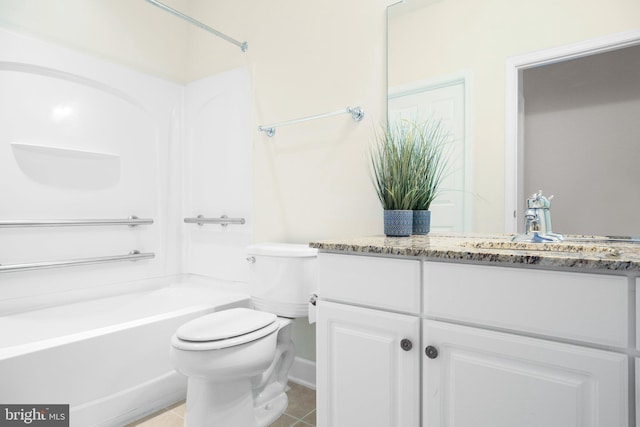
[{"x": 569, "y": 127}]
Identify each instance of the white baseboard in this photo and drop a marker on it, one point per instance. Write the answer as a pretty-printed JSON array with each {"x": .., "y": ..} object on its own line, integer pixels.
[{"x": 303, "y": 372}]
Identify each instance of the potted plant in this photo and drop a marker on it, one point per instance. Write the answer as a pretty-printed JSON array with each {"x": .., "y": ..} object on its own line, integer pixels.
[
  {"x": 408, "y": 164},
  {"x": 393, "y": 166},
  {"x": 432, "y": 157}
]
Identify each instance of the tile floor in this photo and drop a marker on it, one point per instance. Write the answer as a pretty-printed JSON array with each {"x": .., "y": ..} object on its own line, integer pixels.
[{"x": 301, "y": 412}]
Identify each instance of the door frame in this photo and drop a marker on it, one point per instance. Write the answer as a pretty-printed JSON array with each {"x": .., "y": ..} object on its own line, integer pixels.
[
  {"x": 466, "y": 79},
  {"x": 514, "y": 196}
]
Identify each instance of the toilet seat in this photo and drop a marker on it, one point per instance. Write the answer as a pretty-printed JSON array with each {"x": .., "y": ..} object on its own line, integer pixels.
[{"x": 225, "y": 329}]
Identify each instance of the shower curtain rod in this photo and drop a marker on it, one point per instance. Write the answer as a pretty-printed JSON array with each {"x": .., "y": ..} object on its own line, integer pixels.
[
  {"x": 242, "y": 45},
  {"x": 357, "y": 114}
]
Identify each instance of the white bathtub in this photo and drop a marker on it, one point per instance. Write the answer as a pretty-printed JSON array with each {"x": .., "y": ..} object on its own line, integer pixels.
[{"x": 106, "y": 357}]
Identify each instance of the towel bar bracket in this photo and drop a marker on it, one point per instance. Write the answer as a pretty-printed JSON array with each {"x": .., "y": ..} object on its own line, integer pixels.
[{"x": 357, "y": 113}]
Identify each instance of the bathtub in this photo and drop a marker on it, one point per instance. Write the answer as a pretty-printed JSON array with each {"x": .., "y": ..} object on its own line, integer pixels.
[{"x": 108, "y": 357}]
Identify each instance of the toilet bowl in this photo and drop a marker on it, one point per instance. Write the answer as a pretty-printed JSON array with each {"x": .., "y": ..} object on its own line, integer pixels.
[{"x": 237, "y": 361}]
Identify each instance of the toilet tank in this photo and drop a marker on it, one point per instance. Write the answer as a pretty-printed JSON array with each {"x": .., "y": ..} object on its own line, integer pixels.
[{"x": 281, "y": 277}]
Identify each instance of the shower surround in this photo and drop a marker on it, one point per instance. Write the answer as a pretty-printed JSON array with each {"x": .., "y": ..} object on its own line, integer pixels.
[{"x": 84, "y": 138}]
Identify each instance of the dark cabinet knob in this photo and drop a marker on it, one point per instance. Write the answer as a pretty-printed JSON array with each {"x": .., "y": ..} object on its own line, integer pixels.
[
  {"x": 431, "y": 352},
  {"x": 406, "y": 344}
]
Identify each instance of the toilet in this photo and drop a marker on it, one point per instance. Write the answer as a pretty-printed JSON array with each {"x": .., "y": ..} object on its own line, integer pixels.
[{"x": 237, "y": 361}]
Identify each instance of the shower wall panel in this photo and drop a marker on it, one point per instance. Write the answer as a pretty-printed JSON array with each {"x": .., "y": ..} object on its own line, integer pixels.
[
  {"x": 218, "y": 173},
  {"x": 84, "y": 138}
]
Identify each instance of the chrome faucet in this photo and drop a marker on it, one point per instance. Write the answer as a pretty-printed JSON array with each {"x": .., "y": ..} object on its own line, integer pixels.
[{"x": 537, "y": 221}]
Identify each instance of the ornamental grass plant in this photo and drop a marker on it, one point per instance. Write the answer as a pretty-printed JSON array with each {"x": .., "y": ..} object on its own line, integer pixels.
[
  {"x": 433, "y": 153},
  {"x": 408, "y": 164}
]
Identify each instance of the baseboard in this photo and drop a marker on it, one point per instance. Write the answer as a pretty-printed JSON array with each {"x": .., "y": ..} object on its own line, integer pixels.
[{"x": 303, "y": 372}]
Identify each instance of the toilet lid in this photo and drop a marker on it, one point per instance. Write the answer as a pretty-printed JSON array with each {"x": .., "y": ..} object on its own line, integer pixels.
[{"x": 225, "y": 324}]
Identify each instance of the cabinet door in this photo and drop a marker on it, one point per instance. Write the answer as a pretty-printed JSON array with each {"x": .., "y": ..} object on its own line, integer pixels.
[
  {"x": 364, "y": 375},
  {"x": 482, "y": 378},
  {"x": 638, "y": 317},
  {"x": 637, "y": 402}
]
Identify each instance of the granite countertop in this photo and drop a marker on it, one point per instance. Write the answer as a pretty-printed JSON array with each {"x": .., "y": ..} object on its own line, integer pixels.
[{"x": 619, "y": 257}]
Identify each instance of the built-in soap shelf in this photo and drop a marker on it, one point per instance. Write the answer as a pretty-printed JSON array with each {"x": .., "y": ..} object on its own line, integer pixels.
[
  {"x": 67, "y": 168},
  {"x": 63, "y": 152}
]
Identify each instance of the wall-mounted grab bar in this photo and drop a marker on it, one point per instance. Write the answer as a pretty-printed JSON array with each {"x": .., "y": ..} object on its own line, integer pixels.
[
  {"x": 132, "y": 221},
  {"x": 223, "y": 220},
  {"x": 131, "y": 256},
  {"x": 357, "y": 114},
  {"x": 242, "y": 45}
]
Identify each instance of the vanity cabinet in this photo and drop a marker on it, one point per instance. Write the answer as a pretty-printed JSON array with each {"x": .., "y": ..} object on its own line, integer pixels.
[
  {"x": 637, "y": 289},
  {"x": 368, "y": 342},
  {"x": 637, "y": 359},
  {"x": 484, "y": 378},
  {"x": 490, "y": 346},
  {"x": 370, "y": 373},
  {"x": 637, "y": 366}
]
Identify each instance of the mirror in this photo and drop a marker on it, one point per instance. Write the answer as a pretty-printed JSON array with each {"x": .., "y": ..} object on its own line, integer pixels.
[
  {"x": 582, "y": 138},
  {"x": 436, "y": 45}
]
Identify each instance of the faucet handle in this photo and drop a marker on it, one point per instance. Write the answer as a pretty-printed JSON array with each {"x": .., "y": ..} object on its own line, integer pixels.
[{"x": 538, "y": 201}]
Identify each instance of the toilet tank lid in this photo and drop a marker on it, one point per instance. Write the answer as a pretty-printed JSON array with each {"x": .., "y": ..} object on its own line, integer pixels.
[
  {"x": 282, "y": 249},
  {"x": 225, "y": 324}
]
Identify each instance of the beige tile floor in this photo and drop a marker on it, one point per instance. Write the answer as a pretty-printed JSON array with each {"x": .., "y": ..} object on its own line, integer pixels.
[{"x": 301, "y": 412}]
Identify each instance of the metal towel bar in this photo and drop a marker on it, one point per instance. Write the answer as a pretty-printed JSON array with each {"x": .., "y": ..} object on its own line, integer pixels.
[
  {"x": 132, "y": 221},
  {"x": 223, "y": 220},
  {"x": 131, "y": 256},
  {"x": 357, "y": 114}
]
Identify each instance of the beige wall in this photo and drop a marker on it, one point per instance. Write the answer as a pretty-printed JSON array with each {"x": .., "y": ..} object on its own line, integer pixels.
[
  {"x": 453, "y": 36},
  {"x": 130, "y": 32},
  {"x": 306, "y": 58}
]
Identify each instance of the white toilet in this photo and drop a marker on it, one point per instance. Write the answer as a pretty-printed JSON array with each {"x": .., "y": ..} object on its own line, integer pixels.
[{"x": 237, "y": 361}]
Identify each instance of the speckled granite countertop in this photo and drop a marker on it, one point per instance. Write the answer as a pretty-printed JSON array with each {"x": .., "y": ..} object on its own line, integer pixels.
[{"x": 616, "y": 257}]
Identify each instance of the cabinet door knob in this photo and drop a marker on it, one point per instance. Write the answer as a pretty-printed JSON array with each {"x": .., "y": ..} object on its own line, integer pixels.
[
  {"x": 406, "y": 344},
  {"x": 431, "y": 352}
]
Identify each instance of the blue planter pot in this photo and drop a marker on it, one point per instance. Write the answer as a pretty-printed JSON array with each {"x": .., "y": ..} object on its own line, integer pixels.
[
  {"x": 398, "y": 223},
  {"x": 421, "y": 222}
]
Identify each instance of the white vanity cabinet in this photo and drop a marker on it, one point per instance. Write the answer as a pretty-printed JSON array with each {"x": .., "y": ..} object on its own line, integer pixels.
[
  {"x": 368, "y": 360},
  {"x": 637, "y": 366},
  {"x": 491, "y": 346},
  {"x": 530, "y": 351},
  {"x": 368, "y": 367},
  {"x": 637, "y": 360},
  {"x": 482, "y": 378}
]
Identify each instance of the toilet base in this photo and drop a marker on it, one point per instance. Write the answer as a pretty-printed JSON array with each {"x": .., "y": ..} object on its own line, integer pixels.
[
  {"x": 223, "y": 404},
  {"x": 230, "y": 405},
  {"x": 271, "y": 411}
]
